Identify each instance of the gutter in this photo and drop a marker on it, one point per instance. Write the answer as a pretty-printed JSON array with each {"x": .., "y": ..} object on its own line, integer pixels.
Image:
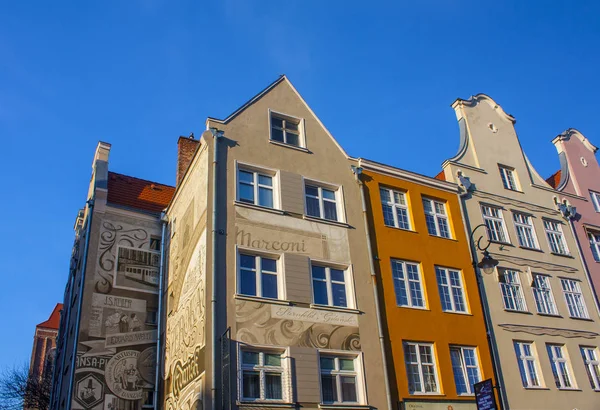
[
  {"x": 357, "y": 172},
  {"x": 88, "y": 228},
  {"x": 163, "y": 220}
]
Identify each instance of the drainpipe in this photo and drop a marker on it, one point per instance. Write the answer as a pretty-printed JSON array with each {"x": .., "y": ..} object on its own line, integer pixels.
[
  {"x": 357, "y": 172},
  {"x": 584, "y": 264},
  {"x": 88, "y": 229},
  {"x": 159, "y": 313},
  {"x": 487, "y": 319},
  {"x": 213, "y": 301}
]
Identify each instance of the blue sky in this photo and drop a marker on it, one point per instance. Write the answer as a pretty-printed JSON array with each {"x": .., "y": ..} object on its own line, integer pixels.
[{"x": 139, "y": 73}]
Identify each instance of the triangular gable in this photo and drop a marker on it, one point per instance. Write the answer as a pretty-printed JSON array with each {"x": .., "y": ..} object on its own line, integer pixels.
[
  {"x": 258, "y": 96},
  {"x": 53, "y": 321}
]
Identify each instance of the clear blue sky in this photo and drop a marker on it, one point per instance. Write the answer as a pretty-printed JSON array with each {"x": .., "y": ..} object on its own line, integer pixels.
[{"x": 139, "y": 73}]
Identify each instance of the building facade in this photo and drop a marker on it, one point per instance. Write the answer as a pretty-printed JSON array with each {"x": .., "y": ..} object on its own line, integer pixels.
[
  {"x": 107, "y": 352},
  {"x": 43, "y": 352},
  {"x": 270, "y": 294},
  {"x": 540, "y": 302},
  {"x": 435, "y": 326},
  {"x": 578, "y": 181}
]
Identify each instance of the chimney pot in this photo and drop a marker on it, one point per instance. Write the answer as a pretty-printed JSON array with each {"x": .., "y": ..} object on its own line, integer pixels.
[{"x": 186, "y": 148}]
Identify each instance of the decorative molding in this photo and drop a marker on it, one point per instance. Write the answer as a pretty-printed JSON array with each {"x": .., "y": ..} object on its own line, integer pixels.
[
  {"x": 476, "y": 99},
  {"x": 549, "y": 331},
  {"x": 534, "y": 264},
  {"x": 564, "y": 171},
  {"x": 503, "y": 200},
  {"x": 568, "y": 133},
  {"x": 464, "y": 140}
]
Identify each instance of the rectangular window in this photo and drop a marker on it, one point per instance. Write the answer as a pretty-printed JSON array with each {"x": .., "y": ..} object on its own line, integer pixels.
[
  {"x": 329, "y": 286},
  {"x": 262, "y": 375},
  {"x": 436, "y": 218},
  {"x": 595, "y": 245},
  {"x": 574, "y": 298},
  {"x": 339, "y": 379},
  {"x": 542, "y": 293},
  {"x": 592, "y": 365},
  {"x": 494, "y": 222},
  {"x": 255, "y": 188},
  {"x": 395, "y": 208},
  {"x": 451, "y": 290},
  {"x": 555, "y": 236},
  {"x": 466, "y": 368},
  {"x": 420, "y": 366},
  {"x": 286, "y": 129},
  {"x": 595, "y": 200},
  {"x": 560, "y": 367},
  {"x": 525, "y": 231},
  {"x": 258, "y": 276},
  {"x": 508, "y": 178},
  {"x": 527, "y": 364},
  {"x": 321, "y": 202},
  {"x": 512, "y": 293},
  {"x": 407, "y": 284}
]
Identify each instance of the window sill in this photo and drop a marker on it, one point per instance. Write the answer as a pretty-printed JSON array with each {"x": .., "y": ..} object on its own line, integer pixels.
[
  {"x": 283, "y": 144},
  {"x": 568, "y": 389},
  {"x": 325, "y": 221},
  {"x": 564, "y": 255},
  {"x": 258, "y": 207},
  {"x": 536, "y": 388},
  {"x": 514, "y": 190},
  {"x": 262, "y": 300},
  {"x": 531, "y": 249},
  {"x": 550, "y": 315},
  {"x": 442, "y": 237},
  {"x": 413, "y": 307},
  {"x": 523, "y": 312},
  {"x": 457, "y": 313},
  {"x": 344, "y": 406},
  {"x": 264, "y": 403},
  {"x": 585, "y": 319},
  {"x": 334, "y": 308},
  {"x": 433, "y": 394},
  {"x": 501, "y": 243},
  {"x": 401, "y": 229}
]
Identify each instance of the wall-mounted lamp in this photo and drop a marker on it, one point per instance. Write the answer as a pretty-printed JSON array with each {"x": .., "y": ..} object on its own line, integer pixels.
[{"x": 487, "y": 263}]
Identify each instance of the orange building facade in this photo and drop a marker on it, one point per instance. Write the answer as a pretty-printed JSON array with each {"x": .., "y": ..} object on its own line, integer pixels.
[{"x": 431, "y": 310}]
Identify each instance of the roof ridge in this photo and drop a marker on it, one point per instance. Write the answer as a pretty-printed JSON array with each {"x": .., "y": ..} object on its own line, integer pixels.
[{"x": 141, "y": 179}]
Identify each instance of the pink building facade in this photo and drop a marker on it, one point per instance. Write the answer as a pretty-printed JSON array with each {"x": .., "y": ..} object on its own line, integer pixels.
[{"x": 579, "y": 182}]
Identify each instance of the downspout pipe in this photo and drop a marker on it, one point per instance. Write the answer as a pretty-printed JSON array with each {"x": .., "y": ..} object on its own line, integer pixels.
[
  {"x": 213, "y": 300},
  {"x": 88, "y": 229},
  {"x": 357, "y": 173},
  {"x": 487, "y": 319},
  {"x": 159, "y": 327}
]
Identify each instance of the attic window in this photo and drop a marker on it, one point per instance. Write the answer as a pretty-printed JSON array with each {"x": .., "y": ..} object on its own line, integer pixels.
[{"x": 286, "y": 129}]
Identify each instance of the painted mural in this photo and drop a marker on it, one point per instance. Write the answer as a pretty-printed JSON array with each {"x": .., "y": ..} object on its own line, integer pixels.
[{"x": 116, "y": 358}]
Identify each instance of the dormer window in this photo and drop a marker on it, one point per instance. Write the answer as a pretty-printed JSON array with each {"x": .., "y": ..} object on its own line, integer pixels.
[
  {"x": 509, "y": 179},
  {"x": 286, "y": 129}
]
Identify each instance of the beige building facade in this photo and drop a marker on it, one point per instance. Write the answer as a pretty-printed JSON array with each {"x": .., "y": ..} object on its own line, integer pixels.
[
  {"x": 273, "y": 214},
  {"x": 538, "y": 298}
]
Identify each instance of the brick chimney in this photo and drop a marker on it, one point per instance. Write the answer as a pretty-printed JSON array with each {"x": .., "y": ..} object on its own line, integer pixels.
[{"x": 186, "y": 148}]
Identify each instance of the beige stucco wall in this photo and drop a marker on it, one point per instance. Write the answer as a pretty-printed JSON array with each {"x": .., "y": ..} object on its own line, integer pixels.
[{"x": 491, "y": 139}]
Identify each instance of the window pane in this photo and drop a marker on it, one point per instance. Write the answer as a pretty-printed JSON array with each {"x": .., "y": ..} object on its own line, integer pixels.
[
  {"x": 330, "y": 209},
  {"x": 290, "y": 125},
  {"x": 337, "y": 275},
  {"x": 385, "y": 195},
  {"x": 246, "y": 176},
  {"x": 273, "y": 388},
  {"x": 327, "y": 363},
  {"x": 265, "y": 180},
  {"x": 277, "y": 122},
  {"x": 276, "y": 134},
  {"x": 318, "y": 272},
  {"x": 251, "y": 385},
  {"x": 320, "y": 292},
  {"x": 328, "y": 194},
  {"x": 346, "y": 364},
  {"x": 292, "y": 138},
  {"x": 328, "y": 388},
  {"x": 269, "y": 286},
  {"x": 265, "y": 197},
  {"x": 338, "y": 292},
  {"x": 247, "y": 261},
  {"x": 248, "y": 285},
  {"x": 459, "y": 376},
  {"x": 312, "y": 207},
  {"x": 249, "y": 357},
  {"x": 268, "y": 264},
  {"x": 246, "y": 193},
  {"x": 348, "y": 388},
  {"x": 431, "y": 228},
  {"x": 312, "y": 190},
  {"x": 402, "y": 215},
  {"x": 272, "y": 359}
]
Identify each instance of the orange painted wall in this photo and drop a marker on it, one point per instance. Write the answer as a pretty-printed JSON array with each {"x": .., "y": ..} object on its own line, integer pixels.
[{"x": 431, "y": 325}]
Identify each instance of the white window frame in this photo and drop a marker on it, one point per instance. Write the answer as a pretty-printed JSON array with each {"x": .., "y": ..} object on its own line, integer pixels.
[
  {"x": 464, "y": 367},
  {"x": 525, "y": 359},
  {"x": 284, "y": 370},
  {"x": 451, "y": 288},
  {"x": 348, "y": 282},
  {"x": 561, "y": 366},
  {"x": 419, "y": 364},
  {"x": 396, "y": 206},
  {"x": 357, "y": 373},
  {"x": 594, "y": 238},
  {"x": 495, "y": 222},
  {"x": 508, "y": 175},
  {"x": 554, "y": 234},
  {"x": 513, "y": 291},
  {"x": 592, "y": 365},
  {"x": 595, "y": 196},
  {"x": 523, "y": 225},
  {"x": 407, "y": 282},
  {"x": 437, "y": 216},
  {"x": 291, "y": 118},
  {"x": 543, "y": 295},
  {"x": 258, "y": 269},
  {"x": 339, "y": 200},
  {"x": 256, "y": 171},
  {"x": 574, "y": 298}
]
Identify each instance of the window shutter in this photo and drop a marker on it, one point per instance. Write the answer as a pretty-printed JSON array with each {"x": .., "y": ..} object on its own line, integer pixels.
[
  {"x": 305, "y": 373},
  {"x": 292, "y": 192},
  {"x": 297, "y": 278}
]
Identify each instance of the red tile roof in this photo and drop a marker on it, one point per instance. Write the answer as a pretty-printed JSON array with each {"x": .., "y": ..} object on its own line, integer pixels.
[
  {"x": 554, "y": 179},
  {"x": 441, "y": 176},
  {"x": 138, "y": 193},
  {"x": 54, "y": 320}
]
